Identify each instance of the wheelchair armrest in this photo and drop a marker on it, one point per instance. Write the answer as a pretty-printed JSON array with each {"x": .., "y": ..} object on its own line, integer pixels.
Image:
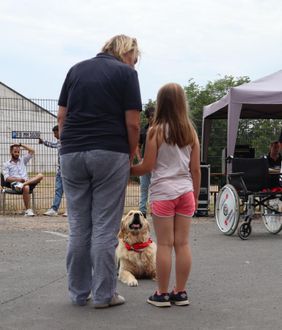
[{"x": 236, "y": 174}]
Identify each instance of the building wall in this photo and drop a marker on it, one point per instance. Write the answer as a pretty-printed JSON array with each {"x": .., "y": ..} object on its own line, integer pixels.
[{"x": 37, "y": 116}]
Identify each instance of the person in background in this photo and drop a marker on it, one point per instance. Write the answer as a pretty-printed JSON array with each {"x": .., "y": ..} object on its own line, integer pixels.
[
  {"x": 172, "y": 155},
  {"x": 145, "y": 179},
  {"x": 280, "y": 142},
  {"x": 16, "y": 177},
  {"x": 280, "y": 150},
  {"x": 59, "y": 190},
  {"x": 274, "y": 157},
  {"x": 99, "y": 120}
]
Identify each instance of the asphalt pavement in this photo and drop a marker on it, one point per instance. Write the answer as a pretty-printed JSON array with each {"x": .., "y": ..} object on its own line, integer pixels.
[{"x": 234, "y": 284}]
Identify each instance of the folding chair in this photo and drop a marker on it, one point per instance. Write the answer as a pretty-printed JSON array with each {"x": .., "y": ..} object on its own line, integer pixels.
[{"x": 6, "y": 189}]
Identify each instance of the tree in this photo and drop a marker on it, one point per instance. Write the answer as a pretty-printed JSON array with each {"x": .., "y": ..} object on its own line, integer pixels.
[
  {"x": 257, "y": 133},
  {"x": 198, "y": 97},
  {"x": 143, "y": 120},
  {"x": 149, "y": 104}
]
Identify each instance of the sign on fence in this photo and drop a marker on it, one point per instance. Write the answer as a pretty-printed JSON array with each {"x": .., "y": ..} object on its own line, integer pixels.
[{"x": 25, "y": 135}]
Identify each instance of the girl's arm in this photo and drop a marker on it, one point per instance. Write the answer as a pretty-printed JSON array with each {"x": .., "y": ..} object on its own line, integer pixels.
[
  {"x": 195, "y": 170},
  {"x": 150, "y": 155}
]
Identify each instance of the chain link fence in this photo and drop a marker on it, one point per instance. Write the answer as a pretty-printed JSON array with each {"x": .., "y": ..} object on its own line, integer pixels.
[{"x": 24, "y": 121}]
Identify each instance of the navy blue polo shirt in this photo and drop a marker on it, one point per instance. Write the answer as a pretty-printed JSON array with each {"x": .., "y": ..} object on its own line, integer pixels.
[{"x": 97, "y": 92}]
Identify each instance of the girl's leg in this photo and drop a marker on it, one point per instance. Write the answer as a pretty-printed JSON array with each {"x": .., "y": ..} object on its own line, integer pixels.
[
  {"x": 183, "y": 257},
  {"x": 164, "y": 231}
]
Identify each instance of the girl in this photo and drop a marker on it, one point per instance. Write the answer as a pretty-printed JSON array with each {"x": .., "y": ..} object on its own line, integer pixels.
[{"x": 172, "y": 154}]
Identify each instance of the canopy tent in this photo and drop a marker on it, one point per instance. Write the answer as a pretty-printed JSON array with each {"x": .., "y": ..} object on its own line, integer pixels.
[{"x": 259, "y": 99}]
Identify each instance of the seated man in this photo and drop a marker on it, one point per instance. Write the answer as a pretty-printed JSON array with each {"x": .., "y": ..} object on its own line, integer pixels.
[
  {"x": 274, "y": 161},
  {"x": 280, "y": 151},
  {"x": 15, "y": 174},
  {"x": 274, "y": 157},
  {"x": 280, "y": 142}
]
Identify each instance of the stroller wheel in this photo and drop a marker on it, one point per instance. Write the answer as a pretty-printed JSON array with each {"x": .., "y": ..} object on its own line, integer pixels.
[{"x": 244, "y": 231}]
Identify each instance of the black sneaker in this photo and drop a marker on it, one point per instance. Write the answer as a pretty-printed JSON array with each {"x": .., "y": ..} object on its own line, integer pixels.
[
  {"x": 159, "y": 300},
  {"x": 180, "y": 298}
]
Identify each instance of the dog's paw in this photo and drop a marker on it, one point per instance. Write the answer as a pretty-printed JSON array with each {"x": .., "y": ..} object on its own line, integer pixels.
[{"x": 133, "y": 283}]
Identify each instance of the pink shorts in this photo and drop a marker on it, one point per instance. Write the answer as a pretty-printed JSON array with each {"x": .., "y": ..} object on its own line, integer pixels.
[{"x": 182, "y": 205}]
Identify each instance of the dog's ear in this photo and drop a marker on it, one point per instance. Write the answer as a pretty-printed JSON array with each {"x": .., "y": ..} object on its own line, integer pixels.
[
  {"x": 122, "y": 228},
  {"x": 146, "y": 223},
  {"x": 147, "y": 228},
  {"x": 121, "y": 233}
]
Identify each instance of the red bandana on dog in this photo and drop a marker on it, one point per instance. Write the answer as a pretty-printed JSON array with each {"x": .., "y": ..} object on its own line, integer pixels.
[{"x": 138, "y": 246}]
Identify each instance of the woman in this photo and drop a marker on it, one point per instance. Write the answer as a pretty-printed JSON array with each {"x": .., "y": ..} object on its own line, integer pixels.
[{"x": 99, "y": 119}]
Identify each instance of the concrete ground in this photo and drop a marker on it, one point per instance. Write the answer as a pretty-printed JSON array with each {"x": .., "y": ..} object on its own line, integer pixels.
[{"x": 234, "y": 284}]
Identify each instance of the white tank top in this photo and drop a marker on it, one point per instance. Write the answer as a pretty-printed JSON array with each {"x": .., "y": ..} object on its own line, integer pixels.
[{"x": 171, "y": 175}]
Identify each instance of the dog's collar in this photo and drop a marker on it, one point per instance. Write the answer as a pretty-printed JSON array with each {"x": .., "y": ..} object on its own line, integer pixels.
[{"x": 137, "y": 247}]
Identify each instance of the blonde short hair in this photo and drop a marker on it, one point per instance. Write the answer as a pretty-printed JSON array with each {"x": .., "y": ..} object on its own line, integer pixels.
[{"x": 120, "y": 45}]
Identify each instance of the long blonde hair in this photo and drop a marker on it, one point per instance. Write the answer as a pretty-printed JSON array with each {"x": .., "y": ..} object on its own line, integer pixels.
[
  {"x": 171, "y": 116},
  {"x": 120, "y": 45}
]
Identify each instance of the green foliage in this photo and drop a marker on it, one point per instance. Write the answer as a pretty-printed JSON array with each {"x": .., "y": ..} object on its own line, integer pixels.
[
  {"x": 146, "y": 106},
  {"x": 199, "y": 96},
  {"x": 143, "y": 123},
  {"x": 256, "y": 133},
  {"x": 150, "y": 103},
  {"x": 259, "y": 133}
]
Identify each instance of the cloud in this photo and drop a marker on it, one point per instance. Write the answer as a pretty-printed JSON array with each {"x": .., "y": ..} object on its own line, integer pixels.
[{"x": 179, "y": 39}]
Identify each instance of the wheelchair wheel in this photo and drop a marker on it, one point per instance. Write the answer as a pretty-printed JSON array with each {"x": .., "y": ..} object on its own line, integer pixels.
[
  {"x": 271, "y": 219},
  {"x": 244, "y": 230},
  {"x": 227, "y": 211}
]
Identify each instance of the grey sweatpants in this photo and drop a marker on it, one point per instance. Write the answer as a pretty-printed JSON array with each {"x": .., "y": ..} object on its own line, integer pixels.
[{"x": 94, "y": 184}]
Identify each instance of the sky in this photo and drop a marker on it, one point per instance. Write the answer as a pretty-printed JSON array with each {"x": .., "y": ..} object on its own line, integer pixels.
[{"x": 179, "y": 40}]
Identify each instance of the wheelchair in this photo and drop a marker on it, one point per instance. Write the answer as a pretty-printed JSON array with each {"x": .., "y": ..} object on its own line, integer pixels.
[{"x": 249, "y": 189}]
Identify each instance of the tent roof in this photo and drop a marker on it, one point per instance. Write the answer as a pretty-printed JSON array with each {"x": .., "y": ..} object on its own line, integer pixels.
[{"x": 261, "y": 98}]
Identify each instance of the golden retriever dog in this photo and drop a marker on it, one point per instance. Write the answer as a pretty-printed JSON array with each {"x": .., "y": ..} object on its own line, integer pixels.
[{"x": 136, "y": 252}]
